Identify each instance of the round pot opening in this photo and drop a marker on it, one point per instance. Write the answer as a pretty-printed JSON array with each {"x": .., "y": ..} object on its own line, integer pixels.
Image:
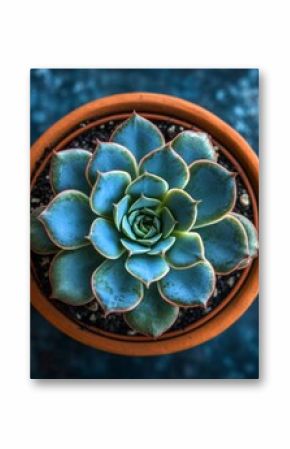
[{"x": 236, "y": 291}]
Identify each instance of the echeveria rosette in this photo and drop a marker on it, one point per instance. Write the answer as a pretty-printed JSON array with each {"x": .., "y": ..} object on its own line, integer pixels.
[{"x": 142, "y": 225}]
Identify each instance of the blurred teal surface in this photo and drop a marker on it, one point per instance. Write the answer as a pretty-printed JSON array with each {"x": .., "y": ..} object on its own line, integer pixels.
[{"x": 232, "y": 94}]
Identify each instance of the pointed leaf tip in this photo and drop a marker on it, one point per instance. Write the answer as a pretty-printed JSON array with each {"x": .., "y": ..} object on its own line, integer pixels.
[
  {"x": 168, "y": 222},
  {"x": 167, "y": 164},
  {"x": 39, "y": 239},
  {"x": 109, "y": 188},
  {"x": 120, "y": 209},
  {"x": 139, "y": 135},
  {"x": 148, "y": 185},
  {"x": 134, "y": 247},
  {"x": 187, "y": 250},
  {"x": 108, "y": 157},
  {"x": 152, "y": 316},
  {"x": 225, "y": 244},
  {"x": 68, "y": 170},
  {"x": 162, "y": 246},
  {"x": 252, "y": 234},
  {"x": 67, "y": 219},
  {"x": 193, "y": 146},
  {"x": 145, "y": 202},
  {"x": 189, "y": 288},
  {"x": 106, "y": 238},
  {"x": 146, "y": 268},
  {"x": 216, "y": 187},
  {"x": 70, "y": 275},
  {"x": 183, "y": 208},
  {"x": 115, "y": 289}
]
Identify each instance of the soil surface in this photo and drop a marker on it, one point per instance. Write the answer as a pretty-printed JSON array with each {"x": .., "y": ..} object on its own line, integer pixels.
[{"x": 91, "y": 314}]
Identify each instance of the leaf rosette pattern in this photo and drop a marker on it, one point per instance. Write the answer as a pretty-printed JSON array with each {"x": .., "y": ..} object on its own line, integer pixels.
[{"x": 142, "y": 225}]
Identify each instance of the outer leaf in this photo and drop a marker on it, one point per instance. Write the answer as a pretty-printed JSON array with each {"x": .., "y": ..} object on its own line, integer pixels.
[
  {"x": 114, "y": 288},
  {"x": 186, "y": 251},
  {"x": 108, "y": 189},
  {"x": 167, "y": 164},
  {"x": 215, "y": 187},
  {"x": 182, "y": 207},
  {"x": 138, "y": 135},
  {"x": 106, "y": 239},
  {"x": 134, "y": 247},
  {"x": 67, "y": 170},
  {"x": 145, "y": 202},
  {"x": 109, "y": 157},
  {"x": 168, "y": 222},
  {"x": 67, "y": 219},
  {"x": 40, "y": 242},
  {"x": 153, "y": 316},
  {"x": 146, "y": 268},
  {"x": 192, "y": 146},
  {"x": 225, "y": 244},
  {"x": 189, "y": 288},
  {"x": 120, "y": 209},
  {"x": 245, "y": 263},
  {"x": 148, "y": 185},
  {"x": 70, "y": 275},
  {"x": 251, "y": 234},
  {"x": 162, "y": 246}
]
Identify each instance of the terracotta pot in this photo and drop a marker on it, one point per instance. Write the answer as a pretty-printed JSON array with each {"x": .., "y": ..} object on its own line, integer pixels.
[{"x": 236, "y": 149}]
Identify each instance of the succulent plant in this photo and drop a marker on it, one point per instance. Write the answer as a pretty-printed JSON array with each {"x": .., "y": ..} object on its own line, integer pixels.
[{"x": 141, "y": 225}]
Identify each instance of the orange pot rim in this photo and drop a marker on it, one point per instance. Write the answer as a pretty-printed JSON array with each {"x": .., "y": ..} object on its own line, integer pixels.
[{"x": 178, "y": 111}]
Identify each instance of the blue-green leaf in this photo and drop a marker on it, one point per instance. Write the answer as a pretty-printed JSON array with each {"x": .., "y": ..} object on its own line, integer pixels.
[
  {"x": 108, "y": 189},
  {"x": 252, "y": 234},
  {"x": 167, "y": 164},
  {"x": 162, "y": 246},
  {"x": 134, "y": 247},
  {"x": 140, "y": 231},
  {"x": 126, "y": 228},
  {"x": 67, "y": 219},
  {"x": 120, "y": 209},
  {"x": 146, "y": 268},
  {"x": 244, "y": 263},
  {"x": 193, "y": 146},
  {"x": 114, "y": 288},
  {"x": 70, "y": 275},
  {"x": 183, "y": 208},
  {"x": 168, "y": 222},
  {"x": 106, "y": 238},
  {"x": 68, "y": 170},
  {"x": 109, "y": 157},
  {"x": 40, "y": 242},
  {"x": 225, "y": 244},
  {"x": 152, "y": 316},
  {"x": 186, "y": 251},
  {"x": 189, "y": 288},
  {"x": 215, "y": 187},
  {"x": 138, "y": 135},
  {"x": 137, "y": 227},
  {"x": 149, "y": 241},
  {"x": 132, "y": 216},
  {"x": 148, "y": 185},
  {"x": 145, "y": 202}
]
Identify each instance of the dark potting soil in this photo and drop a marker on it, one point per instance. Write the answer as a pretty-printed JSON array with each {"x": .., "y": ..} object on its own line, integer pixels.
[{"x": 91, "y": 314}]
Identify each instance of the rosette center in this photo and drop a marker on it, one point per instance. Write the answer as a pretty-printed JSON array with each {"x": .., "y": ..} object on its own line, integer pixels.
[{"x": 144, "y": 223}]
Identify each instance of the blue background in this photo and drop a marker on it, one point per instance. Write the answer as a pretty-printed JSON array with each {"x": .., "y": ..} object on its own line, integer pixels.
[{"x": 232, "y": 95}]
